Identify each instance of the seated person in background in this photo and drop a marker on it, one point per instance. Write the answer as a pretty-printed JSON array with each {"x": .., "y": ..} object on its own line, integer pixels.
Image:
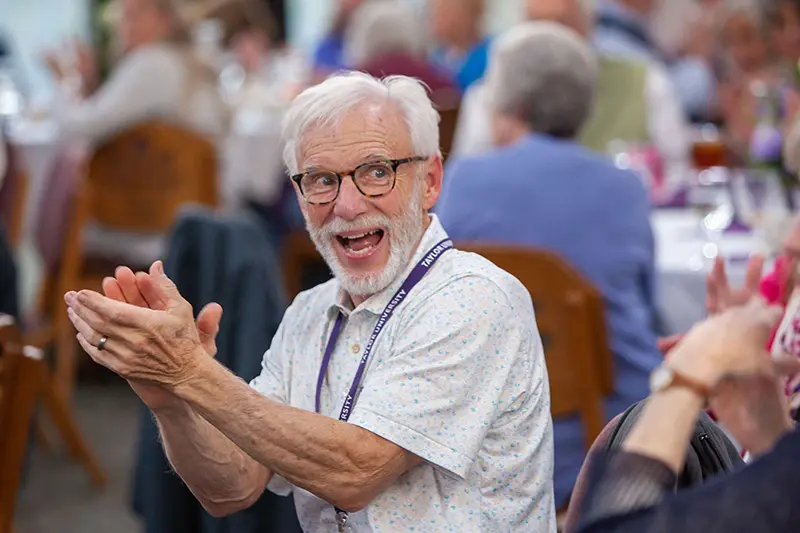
[
  {"x": 329, "y": 54},
  {"x": 542, "y": 189},
  {"x": 385, "y": 38},
  {"x": 446, "y": 424},
  {"x": 273, "y": 75},
  {"x": 743, "y": 49},
  {"x": 633, "y": 102},
  {"x": 251, "y": 33},
  {"x": 622, "y": 31},
  {"x": 158, "y": 76},
  {"x": 783, "y": 28},
  {"x": 461, "y": 49}
]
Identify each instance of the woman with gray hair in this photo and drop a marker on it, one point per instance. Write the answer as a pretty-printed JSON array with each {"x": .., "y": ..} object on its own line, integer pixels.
[
  {"x": 385, "y": 39},
  {"x": 547, "y": 88}
]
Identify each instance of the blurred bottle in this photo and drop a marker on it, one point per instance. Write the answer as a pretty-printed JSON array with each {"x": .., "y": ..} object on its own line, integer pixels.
[{"x": 766, "y": 142}]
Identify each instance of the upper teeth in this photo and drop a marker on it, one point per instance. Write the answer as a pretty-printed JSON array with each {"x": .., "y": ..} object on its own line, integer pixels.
[{"x": 362, "y": 235}]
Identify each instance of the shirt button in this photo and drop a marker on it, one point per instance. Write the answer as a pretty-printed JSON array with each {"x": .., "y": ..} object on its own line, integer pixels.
[{"x": 356, "y": 348}]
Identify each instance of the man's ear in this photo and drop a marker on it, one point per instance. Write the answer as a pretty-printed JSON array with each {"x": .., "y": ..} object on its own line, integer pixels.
[{"x": 432, "y": 182}]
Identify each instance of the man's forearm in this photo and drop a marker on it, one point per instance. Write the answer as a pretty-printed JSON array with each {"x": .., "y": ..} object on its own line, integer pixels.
[
  {"x": 220, "y": 475},
  {"x": 665, "y": 426},
  {"x": 339, "y": 462}
]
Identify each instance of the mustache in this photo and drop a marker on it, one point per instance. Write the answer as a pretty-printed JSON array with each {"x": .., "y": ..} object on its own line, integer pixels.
[{"x": 340, "y": 225}]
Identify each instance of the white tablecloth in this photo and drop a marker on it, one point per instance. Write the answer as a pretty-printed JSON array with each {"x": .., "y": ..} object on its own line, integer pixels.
[{"x": 682, "y": 270}]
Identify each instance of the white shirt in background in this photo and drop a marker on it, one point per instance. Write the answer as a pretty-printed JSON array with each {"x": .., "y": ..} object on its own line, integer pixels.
[{"x": 155, "y": 81}]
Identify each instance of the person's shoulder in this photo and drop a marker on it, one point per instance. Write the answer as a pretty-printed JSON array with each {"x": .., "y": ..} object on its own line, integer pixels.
[
  {"x": 313, "y": 303},
  {"x": 478, "y": 286},
  {"x": 155, "y": 59}
]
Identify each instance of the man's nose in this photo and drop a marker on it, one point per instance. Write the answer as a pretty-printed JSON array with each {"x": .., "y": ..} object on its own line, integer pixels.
[{"x": 350, "y": 203}]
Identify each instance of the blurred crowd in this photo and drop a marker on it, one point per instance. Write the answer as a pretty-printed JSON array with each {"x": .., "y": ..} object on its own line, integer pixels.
[{"x": 549, "y": 118}]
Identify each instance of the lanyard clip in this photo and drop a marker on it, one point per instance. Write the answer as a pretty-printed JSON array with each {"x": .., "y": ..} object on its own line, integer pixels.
[{"x": 341, "y": 521}]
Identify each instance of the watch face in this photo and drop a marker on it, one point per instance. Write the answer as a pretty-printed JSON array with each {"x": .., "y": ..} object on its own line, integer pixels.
[{"x": 660, "y": 379}]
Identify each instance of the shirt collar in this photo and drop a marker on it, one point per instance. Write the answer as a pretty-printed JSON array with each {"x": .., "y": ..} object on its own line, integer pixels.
[{"x": 377, "y": 302}]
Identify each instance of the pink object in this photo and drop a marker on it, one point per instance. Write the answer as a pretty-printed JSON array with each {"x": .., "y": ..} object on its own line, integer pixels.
[
  {"x": 647, "y": 161},
  {"x": 774, "y": 287}
]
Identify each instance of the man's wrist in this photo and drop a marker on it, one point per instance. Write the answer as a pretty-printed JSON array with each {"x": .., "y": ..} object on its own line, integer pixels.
[
  {"x": 696, "y": 367},
  {"x": 198, "y": 375}
]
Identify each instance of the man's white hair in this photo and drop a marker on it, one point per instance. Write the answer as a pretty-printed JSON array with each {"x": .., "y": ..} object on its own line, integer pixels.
[
  {"x": 545, "y": 74},
  {"x": 327, "y": 103},
  {"x": 378, "y": 28}
]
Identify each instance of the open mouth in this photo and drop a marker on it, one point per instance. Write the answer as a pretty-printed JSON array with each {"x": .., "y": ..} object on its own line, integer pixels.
[{"x": 361, "y": 244}]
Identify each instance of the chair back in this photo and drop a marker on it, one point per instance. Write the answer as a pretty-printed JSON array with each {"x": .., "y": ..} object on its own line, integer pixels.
[
  {"x": 19, "y": 388},
  {"x": 138, "y": 180},
  {"x": 299, "y": 253},
  {"x": 13, "y": 196},
  {"x": 447, "y": 129},
  {"x": 569, "y": 316}
]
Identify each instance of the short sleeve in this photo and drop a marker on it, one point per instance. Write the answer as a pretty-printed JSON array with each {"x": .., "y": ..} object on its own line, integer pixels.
[{"x": 459, "y": 360}]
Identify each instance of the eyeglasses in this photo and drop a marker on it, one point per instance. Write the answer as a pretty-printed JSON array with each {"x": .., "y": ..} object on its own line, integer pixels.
[{"x": 372, "y": 179}]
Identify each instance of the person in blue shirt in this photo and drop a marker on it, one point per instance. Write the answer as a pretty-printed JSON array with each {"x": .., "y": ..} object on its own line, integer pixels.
[
  {"x": 461, "y": 49},
  {"x": 329, "y": 53},
  {"x": 541, "y": 189}
]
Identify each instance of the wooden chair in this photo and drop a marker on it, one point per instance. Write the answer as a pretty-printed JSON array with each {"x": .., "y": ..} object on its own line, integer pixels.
[
  {"x": 24, "y": 380},
  {"x": 447, "y": 129},
  {"x": 298, "y": 253},
  {"x": 569, "y": 315},
  {"x": 134, "y": 183},
  {"x": 13, "y": 197}
]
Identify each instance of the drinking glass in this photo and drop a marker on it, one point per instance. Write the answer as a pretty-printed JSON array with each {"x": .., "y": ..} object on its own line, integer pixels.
[
  {"x": 708, "y": 149},
  {"x": 710, "y": 200}
]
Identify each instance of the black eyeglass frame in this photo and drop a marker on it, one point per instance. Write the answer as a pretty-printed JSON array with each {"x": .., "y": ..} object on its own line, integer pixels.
[{"x": 393, "y": 164}]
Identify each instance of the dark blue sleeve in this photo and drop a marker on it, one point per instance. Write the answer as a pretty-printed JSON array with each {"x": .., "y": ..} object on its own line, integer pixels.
[{"x": 627, "y": 494}]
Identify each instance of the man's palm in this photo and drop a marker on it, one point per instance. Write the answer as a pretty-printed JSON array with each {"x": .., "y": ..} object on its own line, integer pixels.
[{"x": 155, "y": 291}]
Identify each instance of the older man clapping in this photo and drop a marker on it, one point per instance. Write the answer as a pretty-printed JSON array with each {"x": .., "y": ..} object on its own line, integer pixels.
[{"x": 434, "y": 419}]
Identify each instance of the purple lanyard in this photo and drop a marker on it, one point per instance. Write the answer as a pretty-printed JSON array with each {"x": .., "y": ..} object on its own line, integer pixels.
[{"x": 413, "y": 278}]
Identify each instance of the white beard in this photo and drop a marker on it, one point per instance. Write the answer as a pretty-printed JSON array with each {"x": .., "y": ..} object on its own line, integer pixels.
[{"x": 403, "y": 233}]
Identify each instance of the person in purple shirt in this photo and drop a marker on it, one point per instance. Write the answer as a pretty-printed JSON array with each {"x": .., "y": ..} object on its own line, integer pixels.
[{"x": 542, "y": 189}]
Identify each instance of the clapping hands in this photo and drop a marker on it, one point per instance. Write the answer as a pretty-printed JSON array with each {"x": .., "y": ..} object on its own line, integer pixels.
[{"x": 152, "y": 338}]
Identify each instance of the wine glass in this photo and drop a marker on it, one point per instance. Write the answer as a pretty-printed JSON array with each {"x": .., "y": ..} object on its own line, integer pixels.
[
  {"x": 758, "y": 201},
  {"x": 709, "y": 198}
]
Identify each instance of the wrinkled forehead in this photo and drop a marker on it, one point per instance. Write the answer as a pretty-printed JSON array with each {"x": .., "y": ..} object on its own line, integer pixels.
[{"x": 360, "y": 134}]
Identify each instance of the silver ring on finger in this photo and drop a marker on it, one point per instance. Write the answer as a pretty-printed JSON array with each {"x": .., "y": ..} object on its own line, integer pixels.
[{"x": 102, "y": 343}]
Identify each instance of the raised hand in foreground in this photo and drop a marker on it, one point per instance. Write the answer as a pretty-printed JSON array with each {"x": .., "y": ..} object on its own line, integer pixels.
[
  {"x": 722, "y": 296},
  {"x": 152, "y": 338},
  {"x": 726, "y": 353}
]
